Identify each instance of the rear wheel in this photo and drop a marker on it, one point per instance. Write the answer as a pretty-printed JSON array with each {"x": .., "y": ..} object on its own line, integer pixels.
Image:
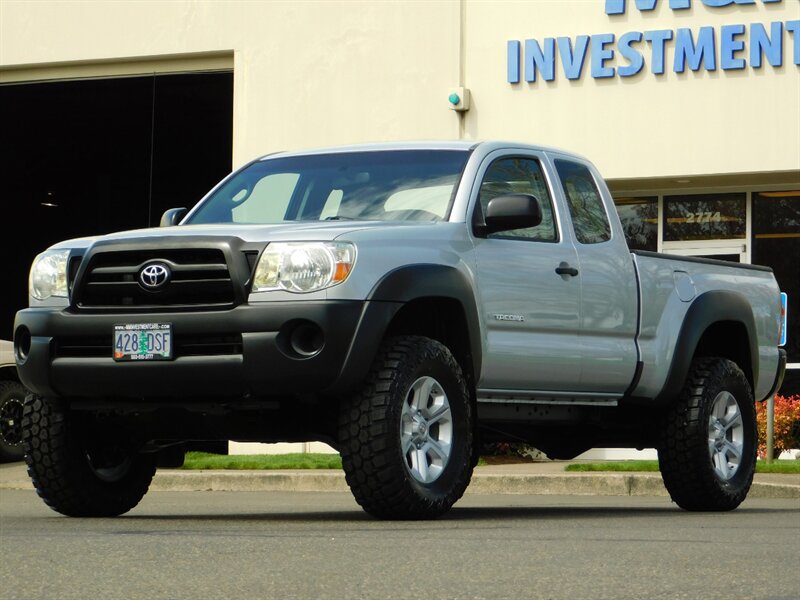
[
  {"x": 406, "y": 439},
  {"x": 707, "y": 453},
  {"x": 78, "y": 468},
  {"x": 12, "y": 397}
]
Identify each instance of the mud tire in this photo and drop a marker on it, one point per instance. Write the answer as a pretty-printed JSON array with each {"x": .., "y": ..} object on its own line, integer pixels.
[
  {"x": 686, "y": 453},
  {"x": 73, "y": 478},
  {"x": 370, "y": 430}
]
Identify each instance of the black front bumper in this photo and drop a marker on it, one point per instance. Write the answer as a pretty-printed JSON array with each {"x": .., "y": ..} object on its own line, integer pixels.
[{"x": 69, "y": 353}]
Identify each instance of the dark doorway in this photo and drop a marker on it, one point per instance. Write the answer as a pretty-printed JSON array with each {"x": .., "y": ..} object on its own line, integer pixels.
[
  {"x": 776, "y": 242},
  {"x": 82, "y": 158}
]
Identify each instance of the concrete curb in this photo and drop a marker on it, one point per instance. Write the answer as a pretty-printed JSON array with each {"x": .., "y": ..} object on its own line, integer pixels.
[{"x": 567, "y": 484}]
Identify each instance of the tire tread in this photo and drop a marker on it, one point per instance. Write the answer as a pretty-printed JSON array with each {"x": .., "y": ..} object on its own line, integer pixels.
[
  {"x": 64, "y": 481},
  {"x": 683, "y": 451},
  {"x": 372, "y": 465}
]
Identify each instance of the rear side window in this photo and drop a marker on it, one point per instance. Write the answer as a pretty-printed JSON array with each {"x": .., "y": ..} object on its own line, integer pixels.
[{"x": 589, "y": 218}]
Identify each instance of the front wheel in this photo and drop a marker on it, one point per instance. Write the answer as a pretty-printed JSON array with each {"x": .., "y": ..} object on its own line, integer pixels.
[
  {"x": 79, "y": 468},
  {"x": 707, "y": 453},
  {"x": 406, "y": 438}
]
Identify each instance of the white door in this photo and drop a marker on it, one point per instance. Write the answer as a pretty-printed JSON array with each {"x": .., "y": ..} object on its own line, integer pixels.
[{"x": 716, "y": 249}]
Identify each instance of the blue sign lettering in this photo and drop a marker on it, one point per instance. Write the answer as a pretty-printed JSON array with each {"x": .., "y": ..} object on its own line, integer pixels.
[
  {"x": 793, "y": 27},
  {"x": 626, "y": 55},
  {"x": 762, "y": 44},
  {"x": 617, "y": 7},
  {"x": 512, "y": 61},
  {"x": 572, "y": 60},
  {"x": 600, "y": 54},
  {"x": 658, "y": 40},
  {"x": 631, "y": 54},
  {"x": 731, "y": 46},
  {"x": 537, "y": 59},
  {"x": 686, "y": 50}
]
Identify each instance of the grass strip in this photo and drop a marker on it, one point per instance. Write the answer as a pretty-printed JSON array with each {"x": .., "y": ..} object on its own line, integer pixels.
[
  {"x": 777, "y": 466},
  {"x": 620, "y": 465},
  {"x": 204, "y": 460}
]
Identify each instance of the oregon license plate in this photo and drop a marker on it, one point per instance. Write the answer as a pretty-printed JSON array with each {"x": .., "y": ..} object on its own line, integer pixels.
[{"x": 143, "y": 341}]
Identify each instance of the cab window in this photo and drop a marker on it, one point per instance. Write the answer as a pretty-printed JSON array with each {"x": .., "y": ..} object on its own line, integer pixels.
[
  {"x": 589, "y": 218},
  {"x": 518, "y": 176}
]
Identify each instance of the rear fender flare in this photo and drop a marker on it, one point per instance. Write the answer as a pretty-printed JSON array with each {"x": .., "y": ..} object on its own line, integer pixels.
[{"x": 708, "y": 308}]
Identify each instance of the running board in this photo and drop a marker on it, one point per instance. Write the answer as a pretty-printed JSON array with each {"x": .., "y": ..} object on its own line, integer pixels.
[{"x": 547, "y": 397}]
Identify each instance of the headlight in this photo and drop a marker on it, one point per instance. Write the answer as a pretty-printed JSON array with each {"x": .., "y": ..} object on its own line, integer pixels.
[
  {"x": 49, "y": 275},
  {"x": 303, "y": 266}
]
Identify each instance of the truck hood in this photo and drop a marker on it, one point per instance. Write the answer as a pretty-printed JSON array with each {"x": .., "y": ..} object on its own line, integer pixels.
[{"x": 290, "y": 231}]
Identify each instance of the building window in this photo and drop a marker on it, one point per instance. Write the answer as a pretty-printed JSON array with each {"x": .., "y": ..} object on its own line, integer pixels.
[
  {"x": 776, "y": 243},
  {"x": 705, "y": 217},
  {"x": 639, "y": 217}
]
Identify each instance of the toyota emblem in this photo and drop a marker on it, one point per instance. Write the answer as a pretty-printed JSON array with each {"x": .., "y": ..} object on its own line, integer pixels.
[{"x": 154, "y": 276}]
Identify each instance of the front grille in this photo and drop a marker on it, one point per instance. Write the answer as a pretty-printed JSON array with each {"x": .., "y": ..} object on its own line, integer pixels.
[
  {"x": 184, "y": 345},
  {"x": 200, "y": 278}
]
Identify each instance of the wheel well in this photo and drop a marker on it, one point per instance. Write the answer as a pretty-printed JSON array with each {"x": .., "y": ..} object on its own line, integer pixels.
[
  {"x": 728, "y": 339},
  {"x": 442, "y": 319}
]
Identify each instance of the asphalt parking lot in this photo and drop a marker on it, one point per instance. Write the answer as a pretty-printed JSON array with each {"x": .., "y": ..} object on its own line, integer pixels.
[{"x": 315, "y": 545}]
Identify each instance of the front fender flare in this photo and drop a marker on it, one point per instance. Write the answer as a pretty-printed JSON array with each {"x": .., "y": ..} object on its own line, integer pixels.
[{"x": 388, "y": 296}]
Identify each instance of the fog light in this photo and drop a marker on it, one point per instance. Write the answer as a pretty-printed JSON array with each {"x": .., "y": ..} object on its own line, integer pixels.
[
  {"x": 300, "y": 339},
  {"x": 22, "y": 343},
  {"x": 307, "y": 339}
]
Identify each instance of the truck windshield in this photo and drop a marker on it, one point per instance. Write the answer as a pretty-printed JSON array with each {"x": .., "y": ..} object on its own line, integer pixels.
[{"x": 405, "y": 185}]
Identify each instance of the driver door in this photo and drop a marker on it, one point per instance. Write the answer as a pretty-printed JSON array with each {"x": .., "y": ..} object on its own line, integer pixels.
[{"x": 531, "y": 313}]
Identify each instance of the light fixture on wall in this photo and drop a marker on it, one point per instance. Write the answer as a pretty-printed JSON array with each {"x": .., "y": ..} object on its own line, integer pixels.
[
  {"x": 49, "y": 203},
  {"x": 459, "y": 99}
]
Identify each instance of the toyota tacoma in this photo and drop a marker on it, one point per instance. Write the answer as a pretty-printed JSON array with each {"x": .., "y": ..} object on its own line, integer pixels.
[{"x": 404, "y": 303}]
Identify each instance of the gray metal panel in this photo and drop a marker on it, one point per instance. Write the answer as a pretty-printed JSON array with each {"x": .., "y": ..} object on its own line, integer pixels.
[
  {"x": 663, "y": 313},
  {"x": 517, "y": 279},
  {"x": 609, "y": 302}
]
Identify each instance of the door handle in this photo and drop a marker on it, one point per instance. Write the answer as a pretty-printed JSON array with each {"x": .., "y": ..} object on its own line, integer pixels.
[{"x": 565, "y": 269}]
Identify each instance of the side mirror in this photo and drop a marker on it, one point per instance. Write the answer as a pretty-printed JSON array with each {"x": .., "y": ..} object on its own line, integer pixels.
[
  {"x": 172, "y": 217},
  {"x": 512, "y": 211}
]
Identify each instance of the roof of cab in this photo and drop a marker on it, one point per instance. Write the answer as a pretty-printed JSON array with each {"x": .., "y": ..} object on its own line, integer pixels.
[{"x": 464, "y": 145}]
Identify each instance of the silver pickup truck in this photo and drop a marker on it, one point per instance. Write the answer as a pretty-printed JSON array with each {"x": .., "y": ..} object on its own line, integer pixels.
[{"x": 401, "y": 302}]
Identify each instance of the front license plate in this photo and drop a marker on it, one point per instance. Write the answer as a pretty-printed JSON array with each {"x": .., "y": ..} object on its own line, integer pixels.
[{"x": 143, "y": 341}]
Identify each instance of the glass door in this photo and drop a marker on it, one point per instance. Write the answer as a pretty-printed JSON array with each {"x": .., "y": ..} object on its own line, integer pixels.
[{"x": 731, "y": 252}]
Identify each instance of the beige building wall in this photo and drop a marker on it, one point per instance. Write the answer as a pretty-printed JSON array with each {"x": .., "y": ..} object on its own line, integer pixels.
[
  {"x": 305, "y": 73},
  {"x": 328, "y": 72},
  {"x": 645, "y": 125}
]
